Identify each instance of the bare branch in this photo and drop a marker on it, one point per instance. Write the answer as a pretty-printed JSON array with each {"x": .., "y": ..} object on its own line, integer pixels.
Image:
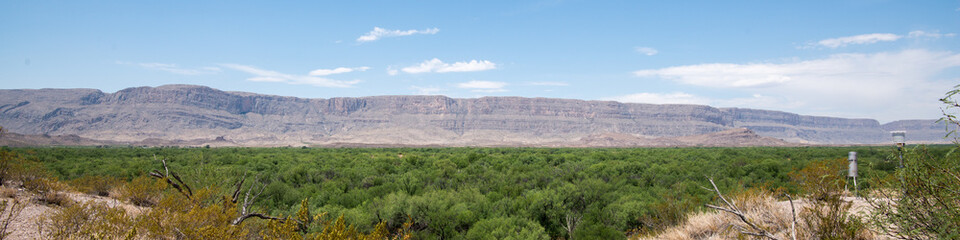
[
  {"x": 240, "y": 219},
  {"x": 793, "y": 213},
  {"x": 734, "y": 207},
  {"x": 177, "y": 177},
  {"x": 166, "y": 171},
  {"x": 166, "y": 177},
  {"x": 731, "y": 208},
  {"x": 754, "y": 234},
  {"x": 180, "y": 235},
  {"x": 248, "y": 199},
  {"x": 236, "y": 191},
  {"x": 16, "y": 207},
  {"x": 722, "y": 209},
  {"x": 255, "y": 196}
]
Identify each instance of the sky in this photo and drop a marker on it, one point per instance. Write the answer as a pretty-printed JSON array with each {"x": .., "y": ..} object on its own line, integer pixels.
[{"x": 878, "y": 59}]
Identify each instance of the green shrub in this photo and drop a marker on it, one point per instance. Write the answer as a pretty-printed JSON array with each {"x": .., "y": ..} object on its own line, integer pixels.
[
  {"x": 922, "y": 199},
  {"x": 96, "y": 185},
  {"x": 828, "y": 215},
  {"x": 87, "y": 221},
  {"x": 506, "y": 228},
  {"x": 143, "y": 191}
]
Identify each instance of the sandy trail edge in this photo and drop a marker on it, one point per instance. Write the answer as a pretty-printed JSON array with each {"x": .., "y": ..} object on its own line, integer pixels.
[{"x": 25, "y": 226}]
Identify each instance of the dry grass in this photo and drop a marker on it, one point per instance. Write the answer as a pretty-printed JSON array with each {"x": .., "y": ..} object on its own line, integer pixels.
[
  {"x": 7, "y": 192},
  {"x": 761, "y": 208},
  {"x": 96, "y": 185},
  {"x": 55, "y": 198}
]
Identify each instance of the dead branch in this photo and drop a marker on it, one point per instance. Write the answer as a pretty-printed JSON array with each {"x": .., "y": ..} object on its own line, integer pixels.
[
  {"x": 182, "y": 187},
  {"x": 240, "y": 219},
  {"x": 571, "y": 222},
  {"x": 251, "y": 195},
  {"x": 733, "y": 209},
  {"x": 156, "y": 174},
  {"x": 236, "y": 191},
  {"x": 177, "y": 177},
  {"x": 16, "y": 207},
  {"x": 166, "y": 171},
  {"x": 793, "y": 213}
]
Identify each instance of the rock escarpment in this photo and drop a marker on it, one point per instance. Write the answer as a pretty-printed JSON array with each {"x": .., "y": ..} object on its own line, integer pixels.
[{"x": 179, "y": 112}]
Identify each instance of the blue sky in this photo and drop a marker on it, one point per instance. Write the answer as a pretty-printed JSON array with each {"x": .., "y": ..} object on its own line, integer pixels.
[{"x": 886, "y": 60}]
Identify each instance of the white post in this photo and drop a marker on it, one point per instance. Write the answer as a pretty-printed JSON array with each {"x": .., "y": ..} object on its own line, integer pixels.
[{"x": 852, "y": 171}]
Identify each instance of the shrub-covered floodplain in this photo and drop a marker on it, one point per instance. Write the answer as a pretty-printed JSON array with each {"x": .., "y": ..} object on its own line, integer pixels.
[{"x": 454, "y": 193}]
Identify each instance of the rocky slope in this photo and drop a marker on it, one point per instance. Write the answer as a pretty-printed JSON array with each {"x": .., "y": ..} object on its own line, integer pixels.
[{"x": 201, "y": 115}]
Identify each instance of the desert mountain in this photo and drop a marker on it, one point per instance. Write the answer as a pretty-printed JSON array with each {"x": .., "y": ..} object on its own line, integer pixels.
[{"x": 198, "y": 115}]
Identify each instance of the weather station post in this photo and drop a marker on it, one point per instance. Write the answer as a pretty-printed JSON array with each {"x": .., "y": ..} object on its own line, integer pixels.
[
  {"x": 899, "y": 138},
  {"x": 852, "y": 171}
]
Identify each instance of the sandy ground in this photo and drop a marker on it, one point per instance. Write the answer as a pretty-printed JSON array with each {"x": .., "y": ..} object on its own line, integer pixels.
[{"x": 25, "y": 226}]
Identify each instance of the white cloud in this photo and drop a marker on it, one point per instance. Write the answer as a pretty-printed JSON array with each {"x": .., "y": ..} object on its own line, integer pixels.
[
  {"x": 647, "y": 51},
  {"x": 339, "y": 70},
  {"x": 886, "y": 85},
  {"x": 859, "y": 39},
  {"x": 662, "y": 98},
  {"x": 426, "y": 90},
  {"x": 379, "y": 33},
  {"x": 489, "y": 90},
  {"x": 263, "y": 75},
  {"x": 435, "y": 65},
  {"x": 392, "y": 72},
  {"x": 874, "y": 38},
  {"x": 173, "y": 68},
  {"x": 722, "y": 74},
  {"x": 756, "y": 100},
  {"x": 483, "y": 86},
  {"x": 553, "y": 84},
  {"x": 924, "y": 34}
]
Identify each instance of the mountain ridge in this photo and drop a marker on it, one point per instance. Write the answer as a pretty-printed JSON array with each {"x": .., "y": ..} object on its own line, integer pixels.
[{"x": 178, "y": 112}]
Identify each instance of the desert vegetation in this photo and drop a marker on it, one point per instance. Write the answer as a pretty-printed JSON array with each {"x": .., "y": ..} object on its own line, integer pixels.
[
  {"x": 485, "y": 193},
  {"x": 429, "y": 193}
]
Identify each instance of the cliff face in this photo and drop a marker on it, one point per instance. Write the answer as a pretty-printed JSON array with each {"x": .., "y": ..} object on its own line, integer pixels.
[
  {"x": 176, "y": 112},
  {"x": 798, "y": 128},
  {"x": 928, "y": 131}
]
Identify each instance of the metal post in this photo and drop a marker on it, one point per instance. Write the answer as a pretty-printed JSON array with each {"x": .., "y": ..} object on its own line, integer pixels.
[
  {"x": 899, "y": 138},
  {"x": 852, "y": 171}
]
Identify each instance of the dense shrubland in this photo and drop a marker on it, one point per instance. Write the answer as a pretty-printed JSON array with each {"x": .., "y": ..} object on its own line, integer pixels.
[{"x": 452, "y": 193}]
